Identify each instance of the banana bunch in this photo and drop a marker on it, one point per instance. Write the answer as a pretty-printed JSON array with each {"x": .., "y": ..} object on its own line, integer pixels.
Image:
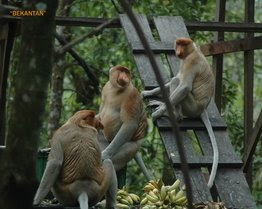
[
  {"x": 125, "y": 200},
  {"x": 159, "y": 196}
]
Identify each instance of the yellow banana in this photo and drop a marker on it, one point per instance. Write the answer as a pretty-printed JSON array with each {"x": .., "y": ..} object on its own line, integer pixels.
[
  {"x": 119, "y": 205},
  {"x": 180, "y": 200},
  {"x": 144, "y": 201},
  {"x": 154, "y": 183},
  {"x": 149, "y": 187},
  {"x": 134, "y": 197},
  {"x": 130, "y": 200},
  {"x": 121, "y": 192},
  {"x": 172, "y": 195},
  {"x": 163, "y": 192},
  {"x": 175, "y": 185},
  {"x": 152, "y": 198},
  {"x": 179, "y": 195},
  {"x": 124, "y": 201},
  {"x": 153, "y": 194}
]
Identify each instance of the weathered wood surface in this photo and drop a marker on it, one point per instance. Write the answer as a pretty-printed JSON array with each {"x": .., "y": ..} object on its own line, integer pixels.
[
  {"x": 147, "y": 75},
  {"x": 230, "y": 178}
]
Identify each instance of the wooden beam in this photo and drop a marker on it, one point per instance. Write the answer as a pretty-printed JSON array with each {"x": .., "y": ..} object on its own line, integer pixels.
[
  {"x": 211, "y": 49},
  {"x": 218, "y": 59},
  {"x": 223, "y": 47},
  {"x": 250, "y": 150},
  {"x": 191, "y": 26},
  {"x": 248, "y": 86}
]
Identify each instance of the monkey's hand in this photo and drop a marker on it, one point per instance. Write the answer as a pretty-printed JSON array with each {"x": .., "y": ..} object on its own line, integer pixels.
[
  {"x": 160, "y": 111},
  {"x": 106, "y": 155},
  {"x": 155, "y": 103}
]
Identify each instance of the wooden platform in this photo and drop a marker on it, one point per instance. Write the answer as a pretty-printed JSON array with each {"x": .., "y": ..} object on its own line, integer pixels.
[{"x": 230, "y": 185}]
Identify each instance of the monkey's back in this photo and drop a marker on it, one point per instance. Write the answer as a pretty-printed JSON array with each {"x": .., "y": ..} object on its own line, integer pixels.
[
  {"x": 82, "y": 156},
  {"x": 204, "y": 83}
]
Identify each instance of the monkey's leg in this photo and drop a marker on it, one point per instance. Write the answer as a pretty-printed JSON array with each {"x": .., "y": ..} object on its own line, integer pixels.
[
  {"x": 141, "y": 164},
  {"x": 111, "y": 180},
  {"x": 191, "y": 107},
  {"x": 83, "y": 201},
  {"x": 126, "y": 153},
  {"x": 174, "y": 84},
  {"x": 51, "y": 173},
  {"x": 160, "y": 111}
]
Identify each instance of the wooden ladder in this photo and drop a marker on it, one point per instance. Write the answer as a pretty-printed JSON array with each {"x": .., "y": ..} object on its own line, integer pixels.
[{"x": 230, "y": 185}]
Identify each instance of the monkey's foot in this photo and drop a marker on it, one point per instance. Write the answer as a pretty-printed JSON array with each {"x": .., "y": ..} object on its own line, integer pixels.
[
  {"x": 160, "y": 111},
  {"x": 155, "y": 103}
]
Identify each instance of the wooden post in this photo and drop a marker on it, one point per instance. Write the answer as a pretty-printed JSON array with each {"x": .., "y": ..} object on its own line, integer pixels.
[
  {"x": 248, "y": 86},
  {"x": 218, "y": 59}
]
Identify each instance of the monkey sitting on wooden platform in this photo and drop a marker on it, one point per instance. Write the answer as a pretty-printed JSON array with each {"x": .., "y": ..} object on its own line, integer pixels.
[
  {"x": 124, "y": 119},
  {"x": 190, "y": 91},
  {"x": 74, "y": 171}
]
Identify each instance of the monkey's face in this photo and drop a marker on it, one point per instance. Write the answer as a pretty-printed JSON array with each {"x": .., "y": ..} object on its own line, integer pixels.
[
  {"x": 86, "y": 118},
  {"x": 183, "y": 47},
  {"x": 120, "y": 76}
]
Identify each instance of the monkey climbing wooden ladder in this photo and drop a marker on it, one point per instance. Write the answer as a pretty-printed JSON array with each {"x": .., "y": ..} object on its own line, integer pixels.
[{"x": 230, "y": 185}]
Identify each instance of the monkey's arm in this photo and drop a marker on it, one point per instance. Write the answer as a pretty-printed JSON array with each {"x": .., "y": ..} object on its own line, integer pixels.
[
  {"x": 124, "y": 135},
  {"x": 183, "y": 88},
  {"x": 51, "y": 172},
  {"x": 154, "y": 91}
]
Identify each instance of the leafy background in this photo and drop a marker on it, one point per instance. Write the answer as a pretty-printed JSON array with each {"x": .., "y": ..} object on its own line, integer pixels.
[{"x": 110, "y": 48}]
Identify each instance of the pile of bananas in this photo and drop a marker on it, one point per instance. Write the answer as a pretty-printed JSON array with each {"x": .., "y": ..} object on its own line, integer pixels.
[
  {"x": 159, "y": 196},
  {"x": 126, "y": 200}
]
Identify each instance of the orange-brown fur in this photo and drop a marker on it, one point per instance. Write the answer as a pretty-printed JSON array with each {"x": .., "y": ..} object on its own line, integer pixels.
[
  {"x": 123, "y": 116},
  {"x": 129, "y": 102},
  {"x": 74, "y": 166}
]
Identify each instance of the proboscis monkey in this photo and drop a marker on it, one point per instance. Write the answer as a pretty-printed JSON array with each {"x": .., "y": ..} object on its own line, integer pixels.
[
  {"x": 190, "y": 91},
  {"x": 124, "y": 120},
  {"x": 74, "y": 171}
]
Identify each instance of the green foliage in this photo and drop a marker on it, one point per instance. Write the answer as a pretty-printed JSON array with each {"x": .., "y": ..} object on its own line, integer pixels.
[{"x": 110, "y": 48}]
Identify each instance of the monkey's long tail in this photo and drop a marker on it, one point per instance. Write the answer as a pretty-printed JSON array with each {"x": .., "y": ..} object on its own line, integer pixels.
[
  {"x": 205, "y": 118},
  {"x": 141, "y": 164}
]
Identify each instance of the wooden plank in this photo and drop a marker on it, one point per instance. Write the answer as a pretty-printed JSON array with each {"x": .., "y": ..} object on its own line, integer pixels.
[
  {"x": 233, "y": 189},
  {"x": 143, "y": 64},
  {"x": 200, "y": 190},
  {"x": 169, "y": 29},
  {"x": 256, "y": 133},
  {"x": 226, "y": 151},
  {"x": 191, "y": 25},
  {"x": 199, "y": 185},
  {"x": 191, "y": 123},
  {"x": 215, "y": 48},
  {"x": 248, "y": 85},
  {"x": 156, "y": 47},
  {"x": 223, "y": 47}
]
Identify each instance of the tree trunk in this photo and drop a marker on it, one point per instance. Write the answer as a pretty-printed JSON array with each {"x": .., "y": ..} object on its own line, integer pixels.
[
  {"x": 17, "y": 171},
  {"x": 58, "y": 72}
]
